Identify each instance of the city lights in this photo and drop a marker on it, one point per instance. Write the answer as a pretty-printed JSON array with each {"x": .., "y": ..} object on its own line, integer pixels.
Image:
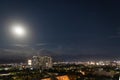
[{"x": 29, "y": 62}]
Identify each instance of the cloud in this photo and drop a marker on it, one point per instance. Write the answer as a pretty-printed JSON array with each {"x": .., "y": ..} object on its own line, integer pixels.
[
  {"x": 115, "y": 36},
  {"x": 41, "y": 44},
  {"x": 116, "y": 33},
  {"x": 20, "y": 45}
]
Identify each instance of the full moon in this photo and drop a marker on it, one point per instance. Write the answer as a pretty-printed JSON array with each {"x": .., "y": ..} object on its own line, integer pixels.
[{"x": 18, "y": 30}]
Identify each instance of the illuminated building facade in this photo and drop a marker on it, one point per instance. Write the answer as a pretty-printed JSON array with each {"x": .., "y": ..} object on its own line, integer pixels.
[
  {"x": 42, "y": 62},
  {"x": 64, "y": 77},
  {"x": 29, "y": 62}
]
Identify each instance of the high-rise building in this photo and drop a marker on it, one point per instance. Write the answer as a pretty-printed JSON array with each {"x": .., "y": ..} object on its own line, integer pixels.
[{"x": 41, "y": 62}]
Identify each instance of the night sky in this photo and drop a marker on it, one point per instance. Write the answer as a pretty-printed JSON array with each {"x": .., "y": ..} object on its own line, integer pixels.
[{"x": 64, "y": 29}]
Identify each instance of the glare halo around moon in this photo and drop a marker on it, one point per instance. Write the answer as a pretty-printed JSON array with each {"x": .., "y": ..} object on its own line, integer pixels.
[{"x": 18, "y": 30}]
